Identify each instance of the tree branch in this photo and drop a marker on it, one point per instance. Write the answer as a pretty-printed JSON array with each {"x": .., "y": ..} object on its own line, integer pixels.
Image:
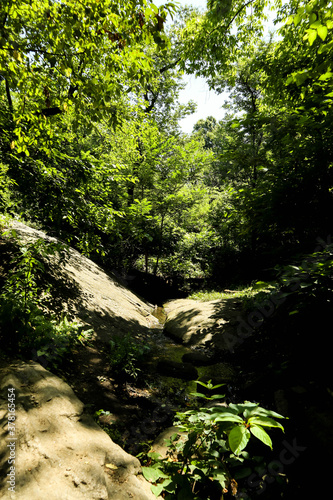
[
  {"x": 9, "y": 97},
  {"x": 233, "y": 18},
  {"x": 5, "y": 19},
  {"x": 149, "y": 108},
  {"x": 50, "y": 112},
  {"x": 171, "y": 65}
]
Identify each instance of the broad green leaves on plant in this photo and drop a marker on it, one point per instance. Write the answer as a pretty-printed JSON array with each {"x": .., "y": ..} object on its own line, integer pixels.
[
  {"x": 261, "y": 434},
  {"x": 215, "y": 448},
  {"x": 238, "y": 439}
]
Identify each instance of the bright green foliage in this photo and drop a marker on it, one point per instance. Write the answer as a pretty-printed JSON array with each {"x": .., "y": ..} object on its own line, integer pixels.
[
  {"x": 91, "y": 148},
  {"x": 72, "y": 55},
  {"x": 213, "y": 456},
  {"x": 159, "y": 194},
  {"x": 243, "y": 293},
  {"x": 272, "y": 154},
  {"x": 213, "y": 41},
  {"x": 313, "y": 22},
  {"x": 66, "y": 68}
]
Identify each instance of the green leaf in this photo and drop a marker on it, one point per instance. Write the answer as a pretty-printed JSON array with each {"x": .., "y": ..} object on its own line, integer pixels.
[
  {"x": 322, "y": 32},
  {"x": 239, "y": 408},
  {"x": 265, "y": 422},
  {"x": 167, "y": 484},
  {"x": 312, "y": 35},
  {"x": 221, "y": 477},
  {"x": 198, "y": 395},
  {"x": 154, "y": 455},
  {"x": 228, "y": 417},
  {"x": 261, "y": 434},
  {"x": 313, "y": 18},
  {"x": 267, "y": 413},
  {"x": 326, "y": 76},
  {"x": 315, "y": 24},
  {"x": 153, "y": 474},
  {"x": 301, "y": 77},
  {"x": 238, "y": 438},
  {"x": 209, "y": 384},
  {"x": 260, "y": 285},
  {"x": 157, "y": 489}
]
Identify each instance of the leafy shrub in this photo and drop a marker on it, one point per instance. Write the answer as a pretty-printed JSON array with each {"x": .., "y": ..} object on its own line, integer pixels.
[
  {"x": 311, "y": 279},
  {"x": 213, "y": 457},
  {"x": 53, "y": 339},
  {"x": 303, "y": 286},
  {"x": 127, "y": 356}
]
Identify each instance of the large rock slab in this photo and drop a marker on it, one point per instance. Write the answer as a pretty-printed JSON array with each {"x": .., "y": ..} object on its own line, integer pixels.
[
  {"x": 203, "y": 324},
  {"x": 49, "y": 448},
  {"x": 89, "y": 294}
]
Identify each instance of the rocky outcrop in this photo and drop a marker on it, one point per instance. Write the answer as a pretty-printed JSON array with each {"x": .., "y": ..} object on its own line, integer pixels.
[
  {"x": 50, "y": 449},
  {"x": 203, "y": 324},
  {"x": 89, "y": 294}
]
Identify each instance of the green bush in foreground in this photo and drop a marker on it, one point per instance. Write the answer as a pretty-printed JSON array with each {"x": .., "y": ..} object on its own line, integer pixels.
[{"x": 213, "y": 456}]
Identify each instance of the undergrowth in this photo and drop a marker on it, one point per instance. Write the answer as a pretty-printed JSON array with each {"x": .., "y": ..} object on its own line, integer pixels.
[
  {"x": 127, "y": 357},
  {"x": 26, "y": 327},
  {"x": 207, "y": 456}
]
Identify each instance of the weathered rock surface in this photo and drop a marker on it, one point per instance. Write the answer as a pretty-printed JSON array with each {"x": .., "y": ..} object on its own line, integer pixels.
[
  {"x": 57, "y": 451},
  {"x": 60, "y": 452},
  {"x": 90, "y": 295},
  {"x": 207, "y": 324}
]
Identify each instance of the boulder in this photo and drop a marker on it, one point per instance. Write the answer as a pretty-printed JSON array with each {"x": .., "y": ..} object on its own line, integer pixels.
[
  {"x": 84, "y": 291},
  {"x": 203, "y": 324},
  {"x": 50, "y": 449}
]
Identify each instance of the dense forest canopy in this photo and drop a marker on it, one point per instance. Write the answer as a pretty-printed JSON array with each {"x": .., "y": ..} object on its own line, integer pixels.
[{"x": 91, "y": 147}]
